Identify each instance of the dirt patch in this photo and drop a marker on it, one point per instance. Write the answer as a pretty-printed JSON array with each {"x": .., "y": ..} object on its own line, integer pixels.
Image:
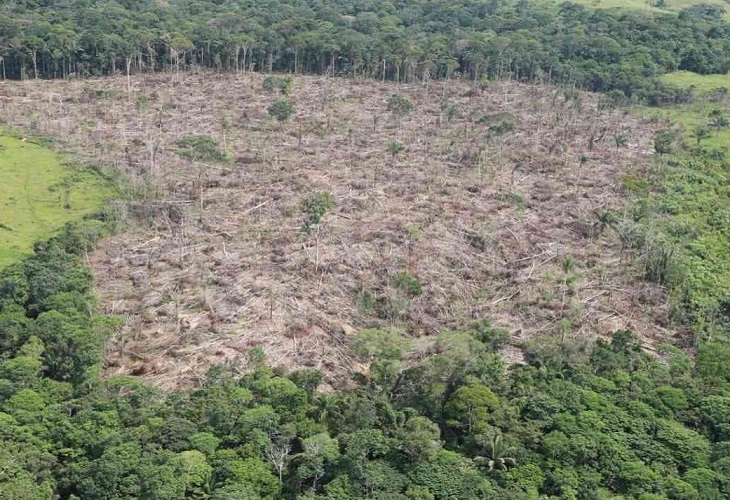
[{"x": 471, "y": 219}]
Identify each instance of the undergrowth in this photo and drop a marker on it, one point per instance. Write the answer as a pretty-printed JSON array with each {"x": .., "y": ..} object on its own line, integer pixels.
[{"x": 685, "y": 242}]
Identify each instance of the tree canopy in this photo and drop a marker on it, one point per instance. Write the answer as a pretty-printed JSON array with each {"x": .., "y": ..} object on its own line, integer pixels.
[{"x": 409, "y": 40}]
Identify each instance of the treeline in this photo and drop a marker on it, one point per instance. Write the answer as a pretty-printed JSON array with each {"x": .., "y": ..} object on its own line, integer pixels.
[
  {"x": 406, "y": 40},
  {"x": 579, "y": 420}
]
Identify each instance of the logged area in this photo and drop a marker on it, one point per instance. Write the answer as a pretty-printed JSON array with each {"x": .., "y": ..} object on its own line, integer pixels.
[
  {"x": 39, "y": 193},
  {"x": 357, "y": 249},
  {"x": 286, "y": 215}
]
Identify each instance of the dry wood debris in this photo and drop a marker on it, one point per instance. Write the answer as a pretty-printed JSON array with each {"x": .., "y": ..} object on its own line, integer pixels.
[{"x": 484, "y": 223}]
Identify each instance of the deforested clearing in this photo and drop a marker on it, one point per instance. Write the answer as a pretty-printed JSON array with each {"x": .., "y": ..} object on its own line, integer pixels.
[{"x": 501, "y": 201}]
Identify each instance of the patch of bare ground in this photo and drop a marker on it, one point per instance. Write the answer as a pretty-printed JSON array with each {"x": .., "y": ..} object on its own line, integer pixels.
[{"x": 490, "y": 226}]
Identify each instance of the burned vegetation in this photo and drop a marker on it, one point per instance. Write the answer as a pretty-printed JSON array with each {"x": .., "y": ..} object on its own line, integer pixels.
[{"x": 282, "y": 218}]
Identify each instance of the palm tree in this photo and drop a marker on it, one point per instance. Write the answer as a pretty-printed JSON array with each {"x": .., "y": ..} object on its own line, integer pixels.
[
  {"x": 718, "y": 119},
  {"x": 498, "y": 451},
  {"x": 606, "y": 219}
]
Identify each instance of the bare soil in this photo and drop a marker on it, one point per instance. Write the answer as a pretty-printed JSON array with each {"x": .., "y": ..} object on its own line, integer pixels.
[{"x": 502, "y": 227}]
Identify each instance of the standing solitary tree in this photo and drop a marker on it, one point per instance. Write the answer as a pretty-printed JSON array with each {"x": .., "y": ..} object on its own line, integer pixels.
[
  {"x": 701, "y": 133},
  {"x": 498, "y": 452}
]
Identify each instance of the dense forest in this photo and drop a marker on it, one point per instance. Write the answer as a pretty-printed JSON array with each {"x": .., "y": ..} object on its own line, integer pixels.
[{"x": 403, "y": 41}]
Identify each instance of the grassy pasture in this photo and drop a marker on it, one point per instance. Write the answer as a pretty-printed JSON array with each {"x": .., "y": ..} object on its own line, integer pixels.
[
  {"x": 39, "y": 193},
  {"x": 696, "y": 113},
  {"x": 701, "y": 83},
  {"x": 649, "y": 6}
]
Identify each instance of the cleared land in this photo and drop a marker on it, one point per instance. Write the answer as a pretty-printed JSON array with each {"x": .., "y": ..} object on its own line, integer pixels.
[
  {"x": 708, "y": 96},
  {"x": 440, "y": 217},
  {"x": 650, "y": 6},
  {"x": 701, "y": 83},
  {"x": 39, "y": 193}
]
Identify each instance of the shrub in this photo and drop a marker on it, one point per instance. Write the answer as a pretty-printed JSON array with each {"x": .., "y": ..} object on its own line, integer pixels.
[
  {"x": 200, "y": 148},
  {"x": 499, "y": 123},
  {"x": 281, "y": 110},
  {"x": 314, "y": 207},
  {"x": 276, "y": 83},
  {"x": 408, "y": 283},
  {"x": 395, "y": 147},
  {"x": 449, "y": 109},
  {"x": 489, "y": 335},
  {"x": 400, "y": 105},
  {"x": 379, "y": 344}
]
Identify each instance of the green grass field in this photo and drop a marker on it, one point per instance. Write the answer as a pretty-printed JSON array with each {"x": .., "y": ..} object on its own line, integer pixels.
[
  {"x": 692, "y": 116},
  {"x": 695, "y": 114},
  {"x": 671, "y": 6},
  {"x": 625, "y": 4},
  {"x": 701, "y": 83},
  {"x": 39, "y": 193}
]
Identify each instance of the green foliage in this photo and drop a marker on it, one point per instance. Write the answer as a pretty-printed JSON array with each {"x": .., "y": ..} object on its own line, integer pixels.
[
  {"x": 499, "y": 123},
  {"x": 276, "y": 83},
  {"x": 665, "y": 141},
  {"x": 469, "y": 407},
  {"x": 418, "y": 438},
  {"x": 17, "y": 480},
  {"x": 717, "y": 119},
  {"x": 395, "y": 147},
  {"x": 400, "y": 105},
  {"x": 231, "y": 470},
  {"x": 256, "y": 356},
  {"x": 408, "y": 283},
  {"x": 314, "y": 208},
  {"x": 711, "y": 362},
  {"x": 195, "y": 473},
  {"x": 636, "y": 185},
  {"x": 143, "y": 103},
  {"x": 32, "y": 173},
  {"x": 450, "y": 110},
  {"x": 71, "y": 345},
  {"x": 200, "y": 148},
  {"x": 281, "y": 110},
  {"x": 498, "y": 453},
  {"x": 607, "y": 219},
  {"x": 489, "y": 335},
  {"x": 379, "y": 344},
  {"x": 204, "y": 442},
  {"x": 318, "y": 451},
  {"x": 307, "y": 379},
  {"x": 513, "y": 199},
  {"x": 450, "y": 476},
  {"x": 568, "y": 43},
  {"x": 700, "y": 133},
  {"x": 680, "y": 239}
]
